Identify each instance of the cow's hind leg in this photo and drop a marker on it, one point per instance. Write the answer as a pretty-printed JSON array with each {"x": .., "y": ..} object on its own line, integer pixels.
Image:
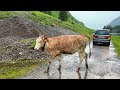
[
  {"x": 59, "y": 68},
  {"x": 81, "y": 56},
  {"x": 86, "y": 60},
  {"x": 86, "y": 64}
]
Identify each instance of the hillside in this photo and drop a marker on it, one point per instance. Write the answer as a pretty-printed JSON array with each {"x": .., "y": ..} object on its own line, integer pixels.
[
  {"x": 71, "y": 24},
  {"x": 71, "y": 18},
  {"x": 18, "y": 32},
  {"x": 41, "y": 18},
  {"x": 115, "y": 22},
  {"x": 19, "y": 29}
]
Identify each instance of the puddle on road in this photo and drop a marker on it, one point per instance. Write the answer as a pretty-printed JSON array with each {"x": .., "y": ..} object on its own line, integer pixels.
[{"x": 103, "y": 64}]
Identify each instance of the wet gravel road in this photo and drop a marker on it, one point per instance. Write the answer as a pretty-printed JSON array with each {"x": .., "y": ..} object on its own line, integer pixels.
[{"x": 103, "y": 64}]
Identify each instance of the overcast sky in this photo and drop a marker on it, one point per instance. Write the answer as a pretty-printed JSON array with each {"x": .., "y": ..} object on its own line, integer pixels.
[{"x": 95, "y": 19}]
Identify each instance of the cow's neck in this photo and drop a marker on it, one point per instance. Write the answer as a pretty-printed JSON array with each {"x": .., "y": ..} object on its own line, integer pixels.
[{"x": 43, "y": 48}]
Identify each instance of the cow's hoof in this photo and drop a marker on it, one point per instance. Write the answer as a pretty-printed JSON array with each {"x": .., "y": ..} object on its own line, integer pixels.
[
  {"x": 87, "y": 66},
  {"x": 78, "y": 69},
  {"x": 59, "y": 68}
]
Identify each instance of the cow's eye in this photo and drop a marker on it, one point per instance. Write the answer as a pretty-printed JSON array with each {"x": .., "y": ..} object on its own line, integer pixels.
[{"x": 40, "y": 41}]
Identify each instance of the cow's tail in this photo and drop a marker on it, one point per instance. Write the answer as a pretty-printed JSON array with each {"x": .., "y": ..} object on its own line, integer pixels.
[{"x": 89, "y": 45}]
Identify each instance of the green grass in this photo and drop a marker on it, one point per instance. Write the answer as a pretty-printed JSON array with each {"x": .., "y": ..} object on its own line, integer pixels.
[
  {"x": 116, "y": 43},
  {"x": 6, "y": 14},
  {"x": 40, "y": 17},
  {"x": 55, "y": 13},
  {"x": 32, "y": 42},
  {"x": 15, "y": 69}
]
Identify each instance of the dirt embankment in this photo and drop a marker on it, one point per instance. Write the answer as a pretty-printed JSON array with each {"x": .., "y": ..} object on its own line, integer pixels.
[{"x": 15, "y": 29}]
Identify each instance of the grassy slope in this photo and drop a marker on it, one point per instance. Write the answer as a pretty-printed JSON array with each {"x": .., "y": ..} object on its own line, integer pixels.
[
  {"x": 74, "y": 24},
  {"x": 52, "y": 20},
  {"x": 15, "y": 69},
  {"x": 115, "y": 40},
  {"x": 40, "y": 17},
  {"x": 55, "y": 14}
]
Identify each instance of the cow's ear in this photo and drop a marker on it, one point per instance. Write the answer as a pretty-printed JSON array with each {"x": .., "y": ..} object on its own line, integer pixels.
[{"x": 42, "y": 37}]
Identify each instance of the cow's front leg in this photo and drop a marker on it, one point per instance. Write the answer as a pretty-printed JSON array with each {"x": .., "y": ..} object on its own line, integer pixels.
[
  {"x": 47, "y": 71},
  {"x": 81, "y": 57}
]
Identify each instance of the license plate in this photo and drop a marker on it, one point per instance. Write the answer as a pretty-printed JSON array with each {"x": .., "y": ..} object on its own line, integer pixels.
[{"x": 101, "y": 36}]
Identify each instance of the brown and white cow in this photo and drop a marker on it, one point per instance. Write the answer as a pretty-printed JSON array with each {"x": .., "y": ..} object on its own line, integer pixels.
[{"x": 64, "y": 44}]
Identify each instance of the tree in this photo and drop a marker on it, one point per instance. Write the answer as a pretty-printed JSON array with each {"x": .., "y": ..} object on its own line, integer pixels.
[
  {"x": 108, "y": 27},
  {"x": 114, "y": 29},
  {"x": 104, "y": 27},
  {"x": 63, "y": 15},
  {"x": 44, "y": 11},
  {"x": 49, "y": 12}
]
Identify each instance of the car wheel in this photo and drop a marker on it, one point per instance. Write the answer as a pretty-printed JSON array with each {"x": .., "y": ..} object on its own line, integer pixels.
[
  {"x": 93, "y": 43},
  {"x": 108, "y": 44}
]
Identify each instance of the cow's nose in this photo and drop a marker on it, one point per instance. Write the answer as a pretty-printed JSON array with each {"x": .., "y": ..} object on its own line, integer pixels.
[{"x": 35, "y": 48}]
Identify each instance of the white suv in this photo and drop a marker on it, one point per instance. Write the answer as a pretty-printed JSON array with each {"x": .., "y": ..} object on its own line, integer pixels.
[{"x": 101, "y": 36}]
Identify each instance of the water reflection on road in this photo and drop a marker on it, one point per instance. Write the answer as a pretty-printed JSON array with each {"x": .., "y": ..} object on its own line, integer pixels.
[{"x": 102, "y": 64}]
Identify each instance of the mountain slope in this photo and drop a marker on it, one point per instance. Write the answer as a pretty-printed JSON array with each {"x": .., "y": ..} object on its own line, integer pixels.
[
  {"x": 50, "y": 20},
  {"x": 70, "y": 19},
  {"x": 71, "y": 24},
  {"x": 115, "y": 22}
]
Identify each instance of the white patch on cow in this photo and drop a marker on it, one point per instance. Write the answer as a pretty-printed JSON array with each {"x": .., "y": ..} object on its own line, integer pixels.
[{"x": 39, "y": 43}]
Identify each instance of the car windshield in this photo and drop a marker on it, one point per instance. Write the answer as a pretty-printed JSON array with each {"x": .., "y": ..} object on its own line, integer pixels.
[{"x": 102, "y": 32}]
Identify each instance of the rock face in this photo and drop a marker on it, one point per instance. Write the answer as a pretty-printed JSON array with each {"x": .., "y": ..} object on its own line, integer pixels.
[{"x": 17, "y": 28}]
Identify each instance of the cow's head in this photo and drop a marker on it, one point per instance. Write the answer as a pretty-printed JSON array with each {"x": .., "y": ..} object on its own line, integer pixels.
[{"x": 40, "y": 41}]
